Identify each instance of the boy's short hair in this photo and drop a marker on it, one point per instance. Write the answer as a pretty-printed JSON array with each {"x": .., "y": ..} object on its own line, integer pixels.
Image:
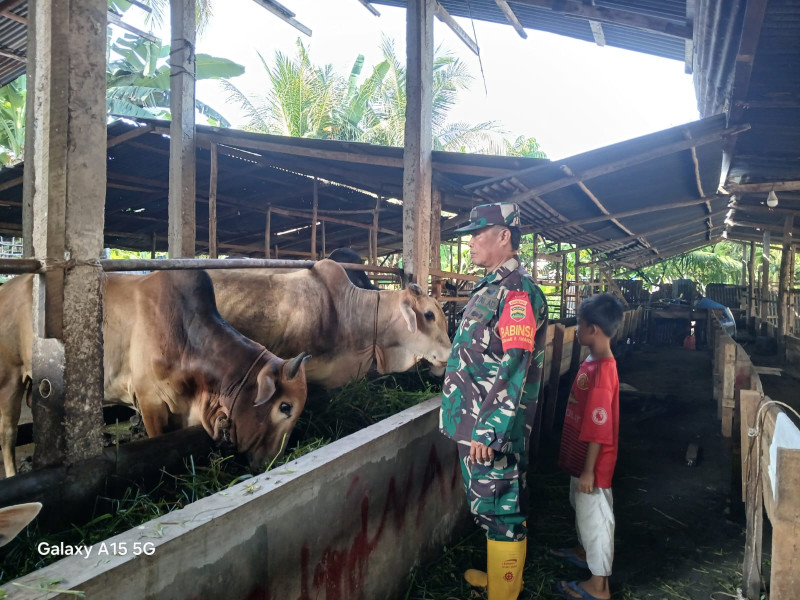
[{"x": 602, "y": 310}]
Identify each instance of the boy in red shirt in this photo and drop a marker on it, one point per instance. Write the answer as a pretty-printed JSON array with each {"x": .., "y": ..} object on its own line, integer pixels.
[{"x": 589, "y": 449}]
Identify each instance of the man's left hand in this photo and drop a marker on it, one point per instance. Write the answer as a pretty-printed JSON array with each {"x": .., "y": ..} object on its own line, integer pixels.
[{"x": 480, "y": 453}]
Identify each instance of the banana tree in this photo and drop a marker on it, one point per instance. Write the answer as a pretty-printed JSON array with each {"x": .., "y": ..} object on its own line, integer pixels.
[
  {"x": 12, "y": 121},
  {"x": 137, "y": 80}
]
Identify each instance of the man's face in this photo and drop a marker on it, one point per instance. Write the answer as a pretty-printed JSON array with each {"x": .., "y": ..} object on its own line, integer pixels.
[{"x": 484, "y": 246}]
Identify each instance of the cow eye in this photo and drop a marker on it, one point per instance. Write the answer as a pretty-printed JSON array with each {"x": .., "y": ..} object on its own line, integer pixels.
[
  {"x": 286, "y": 409},
  {"x": 430, "y": 316}
]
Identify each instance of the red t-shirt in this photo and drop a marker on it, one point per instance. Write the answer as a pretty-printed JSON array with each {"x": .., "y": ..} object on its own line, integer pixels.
[{"x": 592, "y": 416}]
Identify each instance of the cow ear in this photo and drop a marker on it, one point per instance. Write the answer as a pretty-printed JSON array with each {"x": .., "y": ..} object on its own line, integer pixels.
[
  {"x": 414, "y": 289},
  {"x": 266, "y": 387},
  {"x": 291, "y": 367},
  {"x": 409, "y": 315},
  {"x": 13, "y": 519}
]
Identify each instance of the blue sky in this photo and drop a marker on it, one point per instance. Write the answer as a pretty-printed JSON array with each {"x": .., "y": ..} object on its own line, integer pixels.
[{"x": 572, "y": 96}]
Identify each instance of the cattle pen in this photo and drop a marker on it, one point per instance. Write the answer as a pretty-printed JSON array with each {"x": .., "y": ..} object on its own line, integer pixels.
[{"x": 351, "y": 520}]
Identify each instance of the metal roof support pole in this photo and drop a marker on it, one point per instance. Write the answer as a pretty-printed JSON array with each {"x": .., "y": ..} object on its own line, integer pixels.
[
  {"x": 418, "y": 147},
  {"x": 784, "y": 286},
  {"x": 69, "y": 160},
  {"x": 764, "y": 312},
  {"x": 182, "y": 217},
  {"x": 212, "y": 204}
]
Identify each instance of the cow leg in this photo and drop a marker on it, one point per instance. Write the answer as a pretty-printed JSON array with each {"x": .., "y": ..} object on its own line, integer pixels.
[
  {"x": 11, "y": 392},
  {"x": 155, "y": 417}
]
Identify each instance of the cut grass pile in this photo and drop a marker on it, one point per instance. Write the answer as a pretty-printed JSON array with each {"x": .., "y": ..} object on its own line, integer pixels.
[{"x": 327, "y": 417}]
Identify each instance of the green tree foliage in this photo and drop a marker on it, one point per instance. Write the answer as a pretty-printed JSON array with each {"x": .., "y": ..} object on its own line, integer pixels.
[
  {"x": 137, "y": 79},
  {"x": 12, "y": 121},
  {"x": 524, "y": 147},
  {"x": 308, "y": 100}
]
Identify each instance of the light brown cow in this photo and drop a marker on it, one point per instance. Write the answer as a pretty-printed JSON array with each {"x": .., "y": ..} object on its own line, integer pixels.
[
  {"x": 168, "y": 352},
  {"x": 345, "y": 328}
]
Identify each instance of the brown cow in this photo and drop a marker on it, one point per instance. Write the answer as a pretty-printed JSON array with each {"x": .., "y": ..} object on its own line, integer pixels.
[
  {"x": 345, "y": 328},
  {"x": 168, "y": 352}
]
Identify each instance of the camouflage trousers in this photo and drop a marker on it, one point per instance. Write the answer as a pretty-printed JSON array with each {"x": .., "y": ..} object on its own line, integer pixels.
[{"x": 497, "y": 493}]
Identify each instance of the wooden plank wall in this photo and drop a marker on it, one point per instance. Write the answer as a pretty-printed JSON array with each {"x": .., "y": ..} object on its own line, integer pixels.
[{"x": 742, "y": 405}]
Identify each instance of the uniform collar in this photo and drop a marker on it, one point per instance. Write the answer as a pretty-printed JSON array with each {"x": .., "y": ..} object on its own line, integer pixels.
[{"x": 503, "y": 271}]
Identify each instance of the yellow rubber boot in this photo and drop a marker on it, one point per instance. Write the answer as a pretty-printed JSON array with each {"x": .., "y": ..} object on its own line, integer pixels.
[
  {"x": 505, "y": 561},
  {"x": 476, "y": 578}
]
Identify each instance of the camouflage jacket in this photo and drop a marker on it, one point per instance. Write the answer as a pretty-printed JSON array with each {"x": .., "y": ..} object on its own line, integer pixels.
[{"x": 492, "y": 376}]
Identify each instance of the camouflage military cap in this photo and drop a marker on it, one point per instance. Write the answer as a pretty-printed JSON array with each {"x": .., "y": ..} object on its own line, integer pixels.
[{"x": 499, "y": 213}]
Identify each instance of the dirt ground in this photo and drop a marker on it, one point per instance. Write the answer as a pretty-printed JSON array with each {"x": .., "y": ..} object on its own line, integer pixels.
[{"x": 678, "y": 535}]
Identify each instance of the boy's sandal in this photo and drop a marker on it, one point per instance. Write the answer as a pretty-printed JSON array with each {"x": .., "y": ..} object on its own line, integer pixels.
[
  {"x": 568, "y": 555},
  {"x": 562, "y": 586}
]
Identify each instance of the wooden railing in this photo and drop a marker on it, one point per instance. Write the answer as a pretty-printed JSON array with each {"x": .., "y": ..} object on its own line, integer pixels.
[{"x": 769, "y": 445}]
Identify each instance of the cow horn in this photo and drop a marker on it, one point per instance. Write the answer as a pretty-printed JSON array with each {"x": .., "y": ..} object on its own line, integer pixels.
[
  {"x": 292, "y": 366},
  {"x": 415, "y": 289}
]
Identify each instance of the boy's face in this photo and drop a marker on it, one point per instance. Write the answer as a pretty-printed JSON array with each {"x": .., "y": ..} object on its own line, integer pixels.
[{"x": 585, "y": 333}]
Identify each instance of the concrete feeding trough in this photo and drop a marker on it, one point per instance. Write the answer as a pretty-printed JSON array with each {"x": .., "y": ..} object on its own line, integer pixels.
[{"x": 347, "y": 521}]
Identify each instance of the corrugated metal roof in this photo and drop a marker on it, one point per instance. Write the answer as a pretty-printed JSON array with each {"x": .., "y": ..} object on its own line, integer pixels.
[
  {"x": 257, "y": 171},
  {"x": 13, "y": 40},
  {"x": 553, "y": 21}
]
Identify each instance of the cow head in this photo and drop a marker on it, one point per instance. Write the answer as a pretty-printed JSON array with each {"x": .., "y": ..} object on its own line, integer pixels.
[
  {"x": 418, "y": 329},
  {"x": 267, "y": 409}
]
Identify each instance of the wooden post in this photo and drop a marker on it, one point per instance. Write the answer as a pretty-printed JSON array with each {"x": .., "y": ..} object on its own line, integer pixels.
[
  {"x": 563, "y": 299},
  {"x": 727, "y": 401},
  {"x": 324, "y": 249},
  {"x": 375, "y": 216},
  {"x": 28, "y": 174},
  {"x": 436, "y": 240},
  {"x": 182, "y": 130},
  {"x": 535, "y": 266},
  {"x": 212, "y": 205},
  {"x": 459, "y": 255},
  {"x": 784, "y": 286},
  {"x": 417, "y": 153},
  {"x": 153, "y": 242},
  {"x": 764, "y": 313},
  {"x": 268, "y": 233},
  {"x": 785, "y": 573},
  {"x": 314, "y": 220},
  {"x": 69, "y": 188},
  {"x": 754, "y": 505},
  {"x": 554, "y": 377}
]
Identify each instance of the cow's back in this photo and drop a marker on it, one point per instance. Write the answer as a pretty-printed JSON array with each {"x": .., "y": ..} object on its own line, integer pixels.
[{"x": 288, "y": 313}]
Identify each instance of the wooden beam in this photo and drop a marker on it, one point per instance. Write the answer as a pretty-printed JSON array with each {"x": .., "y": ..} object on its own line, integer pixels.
[
  {"x": 597, "y": 33},
  {"x": 284, "y": 14},
  {"x": 613, "y": 166},
  {"x": 212, "y": 205},
  {"x": 417, "y": 152},
  {"x": 576, "y": 8},
  {"x": 370, "y": 8},
  {"x": 635, "y": 236},
  {"x": 784, "y": 285},
  {"x": 511, "y": 18},
  {"x": 766, "y": 186},
  {"x": 315, "y": 207},
  {"x": 128, "y": 135},
  {"x": 6, "y": 8},
  {"x": 115, "y": 19},
  {"x": 448, "y": 20},
  {"x": 305, "y": 215},
  {"x": 12, "y": 56},
  {"x": 182, "y": 168},
  {"x": 761, "y": 226},
  {"x": 758, "y": 208},
  {"x": 595, "y": 200}
]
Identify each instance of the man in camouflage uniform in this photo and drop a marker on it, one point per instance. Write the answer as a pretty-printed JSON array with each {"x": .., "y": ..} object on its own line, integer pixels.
[{"x": 490, "y": 391}]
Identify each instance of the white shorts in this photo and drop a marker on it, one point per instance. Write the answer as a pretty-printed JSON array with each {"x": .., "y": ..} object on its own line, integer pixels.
[{"x": 594, "y": 522}]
